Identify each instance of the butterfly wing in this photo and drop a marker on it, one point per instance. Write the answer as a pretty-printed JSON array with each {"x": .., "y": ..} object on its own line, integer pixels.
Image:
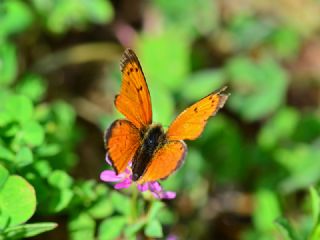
[
  {"x": 122, "y": 140},
  {"x": 165, "y": 161},
  {"x": 134, "y": 99},
  {"x": 191, "y": 122}
]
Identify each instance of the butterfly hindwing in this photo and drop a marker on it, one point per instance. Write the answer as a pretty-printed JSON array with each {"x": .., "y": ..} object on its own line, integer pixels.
[
  {"x": 134, "y": 99},
  {"x": 122, "y": 141},
  {"x": 165, "y": 161},
  {"x": 191, "y": 122}
]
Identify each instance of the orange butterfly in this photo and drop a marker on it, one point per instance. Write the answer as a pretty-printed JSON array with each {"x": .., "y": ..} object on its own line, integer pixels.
[{"x": 154, "y": 153}]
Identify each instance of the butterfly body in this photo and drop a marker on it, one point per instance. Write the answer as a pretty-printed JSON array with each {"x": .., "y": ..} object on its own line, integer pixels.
[
  {"x": 153, "y": 139},
  {"x": 154, "y": 153}
]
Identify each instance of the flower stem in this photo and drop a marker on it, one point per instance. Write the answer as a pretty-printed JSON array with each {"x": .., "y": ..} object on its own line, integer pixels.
[{"x": 134, "y": 199}]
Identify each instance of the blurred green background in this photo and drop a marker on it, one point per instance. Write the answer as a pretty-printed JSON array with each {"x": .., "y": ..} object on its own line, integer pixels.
[{"x": 253, "y": 174}]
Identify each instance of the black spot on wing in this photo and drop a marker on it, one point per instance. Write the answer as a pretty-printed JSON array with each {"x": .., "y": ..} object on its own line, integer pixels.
[
  {"x": 213, "y": 102},
  {"x": 139, "y": 89}
]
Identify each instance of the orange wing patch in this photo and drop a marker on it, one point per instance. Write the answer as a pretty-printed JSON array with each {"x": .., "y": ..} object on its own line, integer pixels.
[
  {"x": 191, "y": 122},
  {"x": 122, "y": 141},
  {"x": 134, "y": 99},
  {"x": 165, "y": 161}
]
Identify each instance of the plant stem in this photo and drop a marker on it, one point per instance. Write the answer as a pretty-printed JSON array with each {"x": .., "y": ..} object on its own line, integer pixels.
[
  {"x": 76, "y": 55},
  {"x": 134, "y": 199}
]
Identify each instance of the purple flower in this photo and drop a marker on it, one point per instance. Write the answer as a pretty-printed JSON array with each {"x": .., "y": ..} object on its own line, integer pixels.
[
  {"x": 156, "y": 190},
  {"x": 172, "y": 237},
  {"x": 124, "y": 180}
]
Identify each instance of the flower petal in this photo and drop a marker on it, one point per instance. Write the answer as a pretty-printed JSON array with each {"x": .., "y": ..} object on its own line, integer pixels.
[
  {"x": 143, "y": 187},
  {"x": 125, "y": 180},
  {"x": 124, "y": 184},
  {"x": 156, "y": 195},
  {"x": 155, "y": 187},
  {"x": 168, "y": 195},
  {"x": 172, "y": 237},
  {"x": 110, "y": 176}
]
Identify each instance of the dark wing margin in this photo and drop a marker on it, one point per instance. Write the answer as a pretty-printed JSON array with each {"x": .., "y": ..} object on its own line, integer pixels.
[{"x": 165, "y": 161}]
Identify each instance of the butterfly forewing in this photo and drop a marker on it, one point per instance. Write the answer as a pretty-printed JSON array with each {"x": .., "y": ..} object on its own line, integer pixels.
[
  {"x": 165, "y": 161},
  {"x": 191, "y": 122},
  {"x": 122, "y": 141},
  {"x": 134, "y": 99}
]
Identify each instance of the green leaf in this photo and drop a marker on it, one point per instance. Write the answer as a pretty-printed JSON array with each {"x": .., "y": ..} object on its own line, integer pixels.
[
  {"x": 247, "y": 31},
  {"x": 280, "y": 127},
  {"x": 183, "y": 16},
  {"x": 20, "y": 108},
  {"x": 153, "y": 229},
  {"x": 43, "y": 168},
  {"x": 315, "y": 201},
  {"x": 167, "y": 52},
  {"x": 6, "y": 154},
  {"x": 85, "y": 191},
  {"x": 259, "y": 88},
  {"x": 201, "y": 83},
  {"x": 315, "y": 235},
  {"x": 75, "y": 14},
  {"x": 64, "y": 115},
  {"x": 59, "y": 200},
  {"x": 81, "y": 226},
  {"x": 286, "y": 229},
  {"x": 166, "y": 217},
  {"x": 99, "y": 11},
  {"x": 4, "y": 174},
  {"x": 299, "y": 162},
  {"x": 32, "y": 86},
  {"x": 267, "y": 210},
  {"x": 163, "y": 106},
  {"x": 286, "y": 41},
  {"x": 33, "y": 133},
  {"x": 15, "y": 17},
  {"x": 48, "y": 150},
  {"x": 11, "y": 130},
  {"x": 24, "y": 157},
  {"x": 154, "y": 210},
  {"x": 132, "y": 229},
  {"x": 28, "y": 230},
  {"x": 308, "y": 128},
  {"x": 14, "y": 190},
  {"x": 8, "y": 66},
  {"x": 112, "y": 228},
  {"x": 120, "y": 203},
  {"x": 101, "y": 209},
  {"x": 60, "y": 179},
  {"x": 5, "y": 117}
]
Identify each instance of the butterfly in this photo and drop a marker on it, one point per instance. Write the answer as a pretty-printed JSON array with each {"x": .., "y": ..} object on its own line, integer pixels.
[{"x": 154, "y": 153}]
